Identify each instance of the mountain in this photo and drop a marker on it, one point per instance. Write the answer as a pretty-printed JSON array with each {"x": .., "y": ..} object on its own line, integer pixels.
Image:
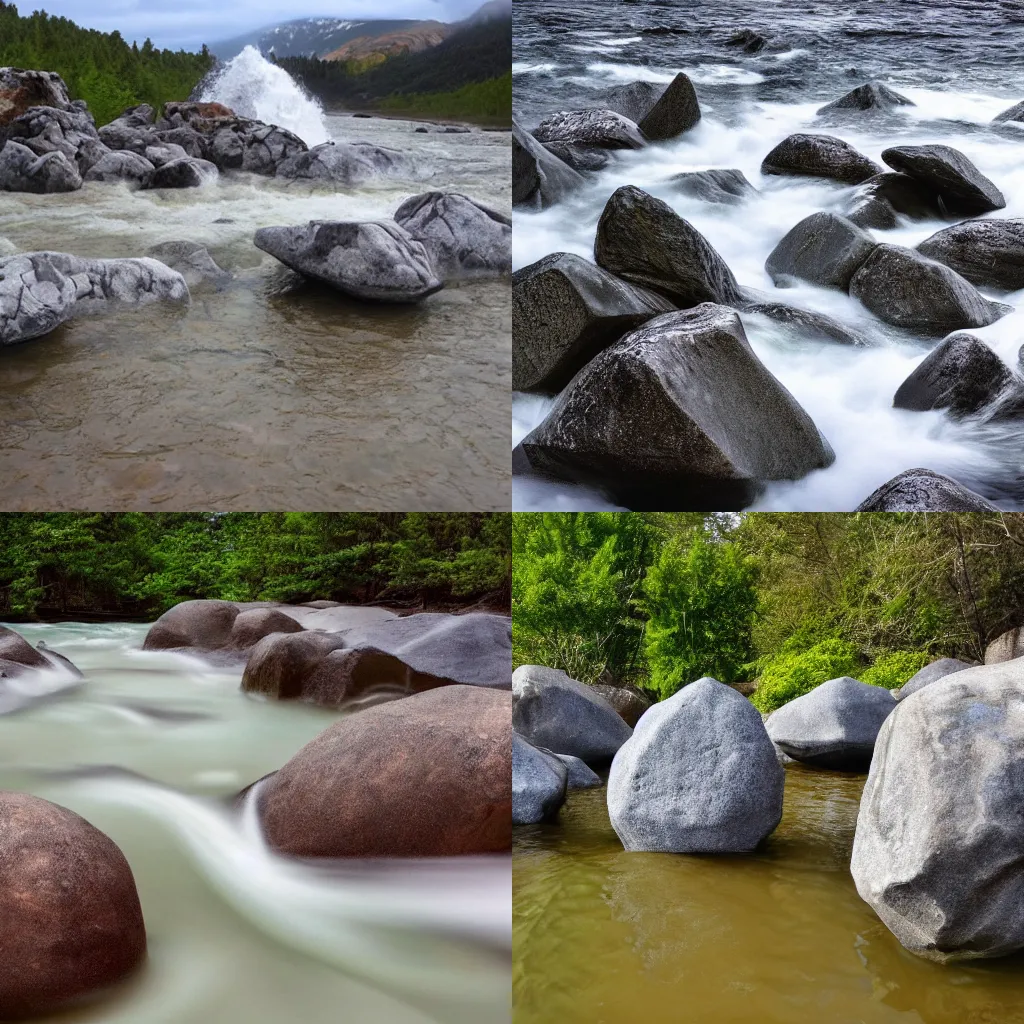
[
  {"x": 493, "y": 10},
  {"x": 412, "y": 40},
  {"x": 308, "y": 37}
]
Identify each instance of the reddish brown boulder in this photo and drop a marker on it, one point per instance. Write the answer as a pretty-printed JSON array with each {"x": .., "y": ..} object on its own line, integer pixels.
[
  {"x": 279, "y": 666},
  {"x": 15, "y": 648},
  {"x": 196, "y": 115},
  {"x": 70, "y": 920},
  {"x": 429, "y": 775},
  {"x": 205, "y": 625},
  {"x": 629, "y": 704},
  {"x": 252, "y": 626},
  {"x": 20, "y": 89}
]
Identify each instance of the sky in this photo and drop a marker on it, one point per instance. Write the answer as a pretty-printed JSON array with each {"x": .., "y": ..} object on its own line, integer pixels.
[{"x": 190, "y": 23}]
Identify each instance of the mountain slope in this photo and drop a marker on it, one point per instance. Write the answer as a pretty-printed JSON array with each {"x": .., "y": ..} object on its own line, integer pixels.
[
  {"x": 413, "y": 40},
  {"x": 308, "y": 37}
]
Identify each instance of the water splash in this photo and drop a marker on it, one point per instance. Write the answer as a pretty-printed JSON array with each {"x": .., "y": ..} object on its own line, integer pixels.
[{"x": 253, "y": 87}]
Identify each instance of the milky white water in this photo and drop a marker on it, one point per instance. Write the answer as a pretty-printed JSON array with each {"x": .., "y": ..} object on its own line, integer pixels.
[{"x": 152, "y": 748}]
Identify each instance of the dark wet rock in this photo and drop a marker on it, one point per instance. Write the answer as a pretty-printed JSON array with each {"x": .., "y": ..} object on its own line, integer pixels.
[
  {"x": 825, "y": 249},
  {"x": 183, "y": 173},
  {"x": 22, "y": 171},
  {"x": 564, "y": 311},
  {"x": 872, "y": 212},
  {"x": 628, "y": 703},
  {"x": 425, "y": 776},
  {"x": 699, "y": 775},
  {"x": 1006, "y": 647},
  {"x": 962, "y": 375},
  {"x": 565, "y": 716},
  {"x": 40, "y": 290},
  {"x": 834, "y": 726},
  {"x": 161, "y": 153},
  {"x": 900, "y": 193},
  {"x": 1014, "y": 113},
  {"x": 748, "y": 40},
  {"x": 16, "y": 649},
  {"x": 580, "y": 774},
  {"x": 192, "y": 261},
  {"x": 539, "y": 178},
  {"x": 20, "y": 90},
  {"x": 539, "y": 783},
  {"x": 937, "y": 850},
  {"x": 675, "y": 112},
  {"x": 726, "y": 186},
  {"x": 819, "y": 156},
  {"x": 963, "y": 188},
  {"x": 904, "y": 288},
  {"x": 644, "y": 241},
  {"x": 70, "y": 920},
  {"x": 120, "y": 166},
  {"x": 345, "y": 163},
  {"x": 633, "y": 100},
  {"x": 807, "y": 322},
  {"x": 580, "y": 158},
  {"x": 922, "y": 490},
  {"x": 376, "y": 261},
  {"x": 870, "y": 96},
  {"x": 680, "y": 413},
  {"x": 931, "y": 673},
  {"x": 463, "y": 238},
  {"x": 594, "y": 128},
  {"x": 987, "y": 252}
]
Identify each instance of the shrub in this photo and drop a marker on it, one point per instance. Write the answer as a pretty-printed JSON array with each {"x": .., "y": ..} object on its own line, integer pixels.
[
  {"x": 894, "y": 668},
  {"x": 794, "y": 673}
]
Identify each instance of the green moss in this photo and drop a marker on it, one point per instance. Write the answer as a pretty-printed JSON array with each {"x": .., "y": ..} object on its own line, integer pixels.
[
  {"x": 794, "y": 673},
  {"x": 894, "y": 668}
]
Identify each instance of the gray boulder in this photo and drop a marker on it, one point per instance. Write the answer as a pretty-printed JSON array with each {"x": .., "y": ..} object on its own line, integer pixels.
[
  {"x": 160, "y": 153},
  {"x": 120, "y": 166},
  {"x": 963, "y": 187},
  {"x": 885, "y": 195},
  {"x": 986, "y": 252},
  {"x": 90, "y": 152},
  {"x": 931, "y": 673},
  {"x": 825, "y": 249},
  {"x": 565, "y": 716},
  {"x": 922, "y": 490},
  {"x": 819, "y": 156},
  {"x": 593, "y": 128},
  {"x": 633, "y": 100},
  {"x": 192, "y": 261},
  {"x": 22, "y": 171},
  {"x": 699, "y": 775},
  {"x": 870, "y": 96},
  {"x": 564, "y": 311},
  {"x": 676, "y": 111},
  {"x": 678, "y": 414},
  {"x": 183, "y": 173},
  {"x": 628, "y": 703},
  {"x": 235, "y": 143},
  {"x": 463, "y": 238},
  {"x": 580, "y": 158},
  {"x": 377, "y": 261},
  {"x": 904, "y": 288},
  {"x": 580, "y": 774},
  {"x": 728, "y": 186},
  {"x": 643, "y": 240},
  {"x": 539, "y": 782},
  {"x": 1014, "y": 113},
  {"x": 539, "y": 178},
  {"x": 191, "y": 141},
  {"x": 834, "y": 726},
  {"x": 346, "y": 163},
  {"x": 938, "y": 849},
  {"x": 1006, "y": 647}
]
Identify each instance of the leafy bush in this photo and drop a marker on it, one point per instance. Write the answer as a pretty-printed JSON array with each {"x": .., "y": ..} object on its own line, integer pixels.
[
  {"x": 894, "y": 668},
  {"x": 791, "y": 674}
]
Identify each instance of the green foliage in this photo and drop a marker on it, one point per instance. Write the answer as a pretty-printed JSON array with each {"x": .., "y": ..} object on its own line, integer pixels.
[
  {"x": 699, "y": 599},
  {"x": 490, "y": 100},
  {"x": 98, "y": 67},
  {"x": 793, "y": 673},
  {"x": 894, "y": 668}
]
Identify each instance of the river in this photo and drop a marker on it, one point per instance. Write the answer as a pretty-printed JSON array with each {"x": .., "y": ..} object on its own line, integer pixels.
[
  {"x": 959, "y": 63},
  {"x": 151, "y": 749},
  {"x": 601, "y": 936},
  {"x": 263, "y": 395}
]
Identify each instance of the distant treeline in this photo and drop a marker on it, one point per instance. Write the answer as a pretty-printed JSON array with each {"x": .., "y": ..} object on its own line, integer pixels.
[
  {"x": 136, "y": 564},
  {"x": 99, "y": 67}
]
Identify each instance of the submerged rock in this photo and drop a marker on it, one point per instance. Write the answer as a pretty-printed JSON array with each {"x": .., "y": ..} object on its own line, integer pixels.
[
  {"x": 346, "y": 163},
  {"x": 834, "y": 726},
  {"x": 870, "y": 96},
  {"x": 699, "y": 775},
  {"x": 22, "y": 171},
  {"x": 539, "y": 783},
  {"x": 564, "y": 311},
  {"x": 676, "y": 111},
  {"x": 987, "y": 252},
  {"x": 539, "y": 178},
  {"x": 819, "y": 156},
  {"x": 377, "y": 261},
  {"x": 579, "y": 158},
  {"x": 962, "y": 186},
  {"x": 121, "y": 166},
  {"x": 183, "y": 173},
  {"x": 678, "y": 414},
  {"x": 192, "y": 260},
  {"x": 594, "y": 128},
  {"x": 923, "y": 490},
  {"x": 931, "y": 673},
  {"x": 807, "y": 322},
  {"x": 825, "y": 249},
  {"x": 898, "y": 193},
  {"x": 1014, "y": 113},
  {"x": 727, "y": 186}
]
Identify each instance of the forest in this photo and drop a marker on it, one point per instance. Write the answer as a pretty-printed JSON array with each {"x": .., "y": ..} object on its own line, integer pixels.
[
  {"x": 99, "y": 67},
  {"x": 136, "y": 564},
  {"x": 785, "y": 601}
]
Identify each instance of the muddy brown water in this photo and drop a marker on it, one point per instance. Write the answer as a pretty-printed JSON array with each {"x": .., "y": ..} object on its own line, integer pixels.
[
  {"x": 606, "y": 937},
  {"x": 269, "y": 394}
]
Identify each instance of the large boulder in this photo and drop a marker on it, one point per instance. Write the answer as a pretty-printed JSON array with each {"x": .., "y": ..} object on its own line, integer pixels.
[
  {"x": 643, "y": 240},
  {"x": 539, "y": 178},
  {"x": 906, "y": 289},
  {"x": 833, "y": 726},
  {"x": 938, "y": 848},
  {"x": 29, "y": 674},
  {"x": 964, "y": 189},
  {"x": 377, "y": 261},
  {"x": 878, "y": 200},
  {"x": 628, "y": 703},
  {"x": 463, "y": 238},
  {"x": 676, "y": 111},
  {"x": 823, "y": 248},
  {"x": 579, "y": 775},
  {"x": 539, "y": 783},
  {"x": 987, "y": 252},
  {"x": 678, "y": 414},
  {"x": 565, "y": 716},
  {"x": 345, "y": 163},
  {"x": 425, "y": 776},
  {"x": 1006, "y": 647},
  {"x": 699, "y": 775},
  {"x": 52, "y": 130},
  {"x": 819, "y": 156},
  {"x": 633, "y": 100},
  {"x": 207, "y": 626},
  {"x": 872, "y": 95},
  {"x": 21, "y": 90},
  {"x": 160, "y": 153},
  {"x": 121, "y": 166},
  {"x": 192, "y": 260},
  {"x": 931, "y": 673},
  {"x": 70, "y": 920},
  {"x": 591, "y": 128},
  {"x": 564, "y": 311},
  {"x": 184, "y": 172},
  {"x": 726, "y": 186},
  {"x": 22, "y": 171},
  {"x": 923, "y": 490}
]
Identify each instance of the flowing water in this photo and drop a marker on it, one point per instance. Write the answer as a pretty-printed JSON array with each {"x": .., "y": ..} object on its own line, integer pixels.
[
  {"x": 270, "y": 393},
  {"x": 959, "y": 63},
  {"x": 601, "y": 936},
  {"x": 151, "y": 748}
]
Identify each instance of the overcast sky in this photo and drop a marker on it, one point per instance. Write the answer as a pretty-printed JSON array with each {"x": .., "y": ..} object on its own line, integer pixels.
[{"x": 190, "y": 23}]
